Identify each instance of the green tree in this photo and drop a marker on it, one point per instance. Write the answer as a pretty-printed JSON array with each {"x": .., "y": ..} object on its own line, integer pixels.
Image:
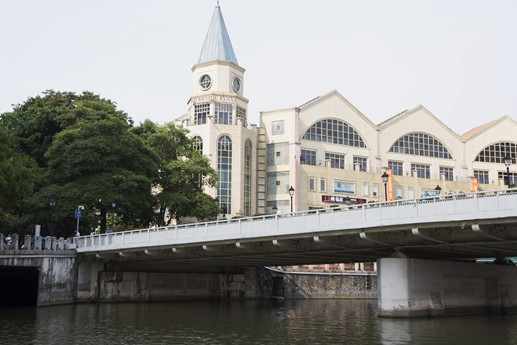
[
  {"x": 183, "y": 174},
  {"x": 95, "y": 160}
]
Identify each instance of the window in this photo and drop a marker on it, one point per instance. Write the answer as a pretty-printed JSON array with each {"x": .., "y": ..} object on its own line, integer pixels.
[
  {"x": 420, "y": 144},
  {"x": 223, "y": 113},
  {"x": 482, "y": 176},
  {"x": 201, "y": 112},
  {"x": 361, "y": 162},
  {"x": 224, "y": 173},
  {"x": 396, "y": 168},
  {"x": 337, "y": 161},
  {"x": 334, "y": 131},
  {"x": 365, "y": 188},
  {"x": 422, "y": 170},
  {"x": 277, "y": 154},
  {"x": 504, "y": 176},
  {"x": 277, "y": 127},
  {"x": 399, "y": 193},
  {"x": 248, "y": 152},
  {"x": 447, "y": 173},
  {"x": 240, "y": 113},
  {"x": 496, "y": 152},
  {"x": 308, "y": 157},
  {"x": 375, "y": 189},
  {"x": 197, "y": 144},
  {"x": 277, "y": 183},
  {"x": 323, "y": 185},
  {"x": 312, "y": 184},
  {"x": 410, "y": 193}
]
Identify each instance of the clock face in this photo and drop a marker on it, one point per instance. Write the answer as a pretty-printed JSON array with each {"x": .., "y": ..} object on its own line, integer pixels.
[
  {"x": 236, "y": 84},
  {"x": 205, "y": 81}
]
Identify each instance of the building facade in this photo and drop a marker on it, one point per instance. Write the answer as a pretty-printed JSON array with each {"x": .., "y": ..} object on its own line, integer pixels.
[{"x": 326, "y": 151}]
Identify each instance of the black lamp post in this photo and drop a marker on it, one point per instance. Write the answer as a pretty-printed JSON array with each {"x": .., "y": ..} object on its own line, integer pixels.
[
  {"x": 438, "y": 190},
  {"x": 507, "y": 162},
  {"x": 385, "y": 177},
  {"x": 52, "y": 204},
  {"x": 291, "y": 193},
  {"x": 113, "y": 204},
  {"x": 216, "y": 205}
]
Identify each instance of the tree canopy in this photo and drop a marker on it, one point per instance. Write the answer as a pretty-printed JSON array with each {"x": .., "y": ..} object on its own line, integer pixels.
[{"x": 80, "y": 150}]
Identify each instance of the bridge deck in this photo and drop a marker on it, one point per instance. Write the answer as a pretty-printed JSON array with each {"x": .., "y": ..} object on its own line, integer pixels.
[{"x": 469, "y": 225}]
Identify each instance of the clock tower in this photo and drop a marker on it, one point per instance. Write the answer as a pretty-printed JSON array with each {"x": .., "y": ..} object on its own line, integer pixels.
[{"x": 217, "y": 120}]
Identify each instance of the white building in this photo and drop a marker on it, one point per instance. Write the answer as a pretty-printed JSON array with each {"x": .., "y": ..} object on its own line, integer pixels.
[{"x": 326, "y": 149}]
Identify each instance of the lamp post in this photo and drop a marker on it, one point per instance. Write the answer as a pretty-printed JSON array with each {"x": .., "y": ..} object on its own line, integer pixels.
[
  {"x": 113, "y": 204},
  {"x": 216, "y": 206},
  {"x": 385, "y": 177},
  {"x": 52, "y": 204},
  {"x": 507, "y": 162},
  {"x": 291, "y": 193},
  {"x": 438, "y": 190}
]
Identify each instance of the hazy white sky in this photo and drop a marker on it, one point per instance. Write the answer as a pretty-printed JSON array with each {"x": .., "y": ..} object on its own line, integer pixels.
[{"x": 456, "y": 57}]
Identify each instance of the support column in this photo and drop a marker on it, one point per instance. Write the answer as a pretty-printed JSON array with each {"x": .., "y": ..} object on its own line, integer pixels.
[{"x": 413, "y": 287}]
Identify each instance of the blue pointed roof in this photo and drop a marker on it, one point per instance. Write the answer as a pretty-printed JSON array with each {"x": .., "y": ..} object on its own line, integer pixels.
[{"x": 217, "y": 44}]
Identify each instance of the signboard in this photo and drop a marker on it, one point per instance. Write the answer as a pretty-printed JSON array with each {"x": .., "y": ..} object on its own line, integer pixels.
[
  {"x": 342, "y": 200},
  {"x": 344, "y": 187},
  {"x": 78, "y": 214}
]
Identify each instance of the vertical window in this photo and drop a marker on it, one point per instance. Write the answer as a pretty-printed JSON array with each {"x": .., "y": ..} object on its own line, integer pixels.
[
  {"x": 396, "y": 168},
  {"x": 365, "y": 188},
  {"x": 224, "y": 173},
  {"x": 223, "y": 113},
  {"x": 240, "y": 113},
  {"x": 361, "y": 162},
  {"x": 399, "y": 193},
  {"x": 447, "y": 173},
  {"x": 247, "y": 177},
  {"x": 308, "y": 157},
  {"x": 482, "y": 176},
  {"x": 323, "y": 184},
  {"x": 410, "y": 193},
  {"x": 201, "y": 111},
  {"x": 422, "y": 170},
  {"x": 197, "y": 144},
  {"x": 375, "y": 189},
  {"x": 312, "y": 184},
  {"x": 337, "y": 161}
]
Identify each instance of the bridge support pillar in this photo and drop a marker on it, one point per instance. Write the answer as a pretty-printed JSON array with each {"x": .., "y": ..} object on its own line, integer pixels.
[{"x": 413, "y": 287}]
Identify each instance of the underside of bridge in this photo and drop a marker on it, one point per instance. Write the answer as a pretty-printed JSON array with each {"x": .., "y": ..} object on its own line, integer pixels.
[
  {"x": 440, "y": 241},
  {"x": 19, "y": 286}
]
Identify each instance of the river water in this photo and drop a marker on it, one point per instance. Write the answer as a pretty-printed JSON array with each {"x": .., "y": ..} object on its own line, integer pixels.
[{"x": 249, "y": 322}]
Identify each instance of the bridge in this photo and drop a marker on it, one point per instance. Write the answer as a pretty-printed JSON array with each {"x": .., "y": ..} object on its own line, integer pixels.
[{"x": 461, "y": 226}]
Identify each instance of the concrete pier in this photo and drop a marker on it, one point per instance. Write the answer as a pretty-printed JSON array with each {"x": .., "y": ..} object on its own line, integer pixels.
[{"x": 413, "y": 287}]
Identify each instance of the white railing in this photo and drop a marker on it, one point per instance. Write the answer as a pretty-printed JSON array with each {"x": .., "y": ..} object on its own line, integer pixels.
[{"x": 458, "y": 207}]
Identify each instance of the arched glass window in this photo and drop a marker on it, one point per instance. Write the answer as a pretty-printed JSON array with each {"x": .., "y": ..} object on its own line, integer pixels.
[
  {"x": 197, "y": 144},
  {"x": 420, "y": 144},
  {"x": 247, "y": 177},
  {"x": 334, "y": 131},
  {"x": 496, "y": 152},
  {"x": 224, "y": 173}
]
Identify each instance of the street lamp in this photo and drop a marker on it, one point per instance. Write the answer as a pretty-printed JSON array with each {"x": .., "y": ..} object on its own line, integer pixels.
[
  {"x": 438, "y": 190},
  {"x": 275, "y": 209},
  {"x": 216, "y": 205},
  {"x": 291, "y": 193},
  {"x": 52, "y": 204},
  {"x": 385, "y": 177},
  {"x": 507, "y": 162},
  {"x": 113, "y": 204}
]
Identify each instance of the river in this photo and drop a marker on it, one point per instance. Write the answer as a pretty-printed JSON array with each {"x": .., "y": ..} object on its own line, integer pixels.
[{"x": 249, "y": 322}]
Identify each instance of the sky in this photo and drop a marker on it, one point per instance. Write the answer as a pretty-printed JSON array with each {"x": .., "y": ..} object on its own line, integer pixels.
[{"x": 458, "y": 58}]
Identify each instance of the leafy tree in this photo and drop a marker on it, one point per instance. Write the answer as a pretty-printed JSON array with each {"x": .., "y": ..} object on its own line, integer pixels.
[
  {"x": 96, "y": 159},
  {"x": 183, "y": 173}
]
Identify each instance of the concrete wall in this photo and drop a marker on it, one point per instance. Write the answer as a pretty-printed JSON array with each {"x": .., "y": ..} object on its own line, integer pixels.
[
  {"x": 411, "y": 287},
  {"x": 57, "y": 275}
]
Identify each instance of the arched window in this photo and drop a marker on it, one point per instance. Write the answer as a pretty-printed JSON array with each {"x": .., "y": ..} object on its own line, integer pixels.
[
  {"x": 334, "y": 131},
  {"x": 224, "y": 173},
  {"x": 496, "y": 152},
  {"x": 247, "y": 177},
  {"x": 420, "y": 144},
  {"x": 197, "y": 144}
]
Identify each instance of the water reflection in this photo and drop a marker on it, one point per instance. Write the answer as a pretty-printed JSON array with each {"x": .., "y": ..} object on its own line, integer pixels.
[{"x": 250, "y": 322}]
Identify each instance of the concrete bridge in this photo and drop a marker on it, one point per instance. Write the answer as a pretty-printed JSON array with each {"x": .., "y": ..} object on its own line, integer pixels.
[{"x": 424, "y": 249}]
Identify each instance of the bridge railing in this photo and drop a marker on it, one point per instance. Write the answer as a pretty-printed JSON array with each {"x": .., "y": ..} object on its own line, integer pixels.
[{"x": 336, "y": 218}]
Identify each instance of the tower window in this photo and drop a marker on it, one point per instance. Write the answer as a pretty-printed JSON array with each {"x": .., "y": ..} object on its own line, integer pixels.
[
  {"x": 201, "y": 112},
  {"x": 223, "y": 113}
]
